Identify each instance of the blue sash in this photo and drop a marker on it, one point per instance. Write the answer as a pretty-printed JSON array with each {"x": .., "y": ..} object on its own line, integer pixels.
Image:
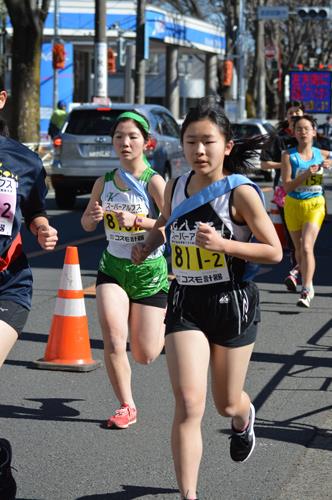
[
  {"x": 137, "y": 187},
  {"x": 208, "y": 194}
]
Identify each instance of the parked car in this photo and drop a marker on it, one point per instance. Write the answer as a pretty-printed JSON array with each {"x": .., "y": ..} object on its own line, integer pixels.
[
  {"x": 251, "y": 128},
  {"x": 83, "y": 150}
]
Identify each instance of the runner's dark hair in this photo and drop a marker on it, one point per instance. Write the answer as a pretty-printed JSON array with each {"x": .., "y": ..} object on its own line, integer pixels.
[
  {"x": 309, "y": 118},
  {"x": 283, "y": 124},
  {"x": 244, "y": 151},
  {"x": 145, "y": 134}
]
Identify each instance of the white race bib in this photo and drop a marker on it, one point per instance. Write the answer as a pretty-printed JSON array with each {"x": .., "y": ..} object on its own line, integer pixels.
[{"x": 8, "y": 194}]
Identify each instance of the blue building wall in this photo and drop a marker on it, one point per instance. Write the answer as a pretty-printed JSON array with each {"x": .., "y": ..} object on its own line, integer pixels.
[
  {"x": 65, "y": 83},
  {"x": 79, "y": 25}
]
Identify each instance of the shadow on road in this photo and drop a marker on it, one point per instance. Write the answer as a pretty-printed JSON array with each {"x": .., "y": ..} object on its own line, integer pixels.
[
  {"x": 129, "y": 493},
  {"x": 53, "y": 409}
]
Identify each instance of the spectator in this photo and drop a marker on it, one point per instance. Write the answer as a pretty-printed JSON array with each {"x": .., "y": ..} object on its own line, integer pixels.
[
  {"x": 271, "y": 158},
  {"x": 57, "y": 120},
  {"x": 326, "y": 128}
]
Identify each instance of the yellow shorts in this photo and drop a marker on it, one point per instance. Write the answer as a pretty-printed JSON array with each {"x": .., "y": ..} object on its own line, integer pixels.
[{"x": 300, "y": 212}]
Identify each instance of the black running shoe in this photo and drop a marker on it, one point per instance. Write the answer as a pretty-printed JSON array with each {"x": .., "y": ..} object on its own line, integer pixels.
[
  {"x": 243, "y": 443},
  {"x": 7, "y": 482}
]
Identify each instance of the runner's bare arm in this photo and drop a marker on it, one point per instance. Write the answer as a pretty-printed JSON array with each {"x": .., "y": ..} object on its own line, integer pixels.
[
  {"x": 94, "y": 212},
  {"x": 286, "y": 174},
  {"x": 248, "y": 208},
  {"x": 157, "y": 234}
]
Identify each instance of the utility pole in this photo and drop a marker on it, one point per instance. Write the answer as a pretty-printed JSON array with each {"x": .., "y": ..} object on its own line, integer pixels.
[
  {"x": 140, "y": 53},
  {"x": 260, "y": 64},
  {"x": 100, "y": 52},
  {"x": 241, "y": 48},
  {"x": 55, "y": 40}
]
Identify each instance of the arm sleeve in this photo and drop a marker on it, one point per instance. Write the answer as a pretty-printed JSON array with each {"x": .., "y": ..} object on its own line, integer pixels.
[
  {"x": 270, "y": 153},
  {"x": 35, "y": 204}
]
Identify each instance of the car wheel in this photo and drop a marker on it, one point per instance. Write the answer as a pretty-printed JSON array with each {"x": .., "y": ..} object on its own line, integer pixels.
[{"x": 65, "y": 198}]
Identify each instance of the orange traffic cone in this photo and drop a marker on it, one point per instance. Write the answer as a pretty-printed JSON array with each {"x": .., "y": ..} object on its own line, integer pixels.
[
  {"x": 68, "y": 346},
  {"x": 278, "y": 224}
]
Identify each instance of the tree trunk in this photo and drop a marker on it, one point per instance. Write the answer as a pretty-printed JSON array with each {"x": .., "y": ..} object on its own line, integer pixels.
[
  {"x": 26, "y": 84},
  {"x": 27, "y": 18}
]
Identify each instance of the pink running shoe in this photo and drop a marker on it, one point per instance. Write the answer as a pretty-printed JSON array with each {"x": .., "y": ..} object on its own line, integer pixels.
[
  {"x": 291, "y": 283},
  {"x": 123, "y": 417}
]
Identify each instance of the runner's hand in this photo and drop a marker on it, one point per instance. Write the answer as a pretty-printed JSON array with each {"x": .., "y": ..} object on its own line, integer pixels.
[
  {"x": 96, "y": 213},
  {"x": 47, "y": 237},
  {"x": 207, "y": 237},
  {"x": 327, "y": 164},
  {"x": 139, "y": 253},
  {"x": 313, "y": 169},
  {"x": 125, "y": 219}
]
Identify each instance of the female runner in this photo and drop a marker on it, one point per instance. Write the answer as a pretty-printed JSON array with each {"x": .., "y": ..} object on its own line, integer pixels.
[
  {"x": 128, "y": 297},
  {"x": 212, "y": 311}
]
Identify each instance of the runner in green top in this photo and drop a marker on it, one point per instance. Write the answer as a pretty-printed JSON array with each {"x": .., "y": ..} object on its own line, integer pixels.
[{"x": 128, "y": 296}]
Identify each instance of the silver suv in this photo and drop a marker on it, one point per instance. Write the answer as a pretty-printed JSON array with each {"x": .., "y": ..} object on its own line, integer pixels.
[{"x": 83, "y": 150}]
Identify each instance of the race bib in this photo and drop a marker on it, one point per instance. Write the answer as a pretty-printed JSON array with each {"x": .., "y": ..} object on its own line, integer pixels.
[
  {"x": 8, "y": 194},
  {"x": 122, "y": 234},
  {"x": 313, "y": 184},
  {"x": 193, "y": 265}
]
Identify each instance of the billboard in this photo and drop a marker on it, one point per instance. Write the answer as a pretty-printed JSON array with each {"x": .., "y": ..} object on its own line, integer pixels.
[{"x": 313, "y": 88}]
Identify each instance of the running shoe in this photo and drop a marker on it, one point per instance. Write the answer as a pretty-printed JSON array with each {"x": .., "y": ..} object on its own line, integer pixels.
[
  {"x": 291, "y": 283},
  {"x": 243, "y": 443},
  {"x": 7, "y": 482},
  {"x": 307, "y": 294},
  {"x": 123, "y": 417}
]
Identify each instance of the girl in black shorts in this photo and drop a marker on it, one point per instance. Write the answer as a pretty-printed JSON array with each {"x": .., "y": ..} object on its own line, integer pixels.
[
  {"x": 213, "y": 310},
  {"x": 22, "y": 193}
]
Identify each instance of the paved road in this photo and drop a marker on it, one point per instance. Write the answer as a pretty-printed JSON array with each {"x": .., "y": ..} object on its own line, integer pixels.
[{"x": 53, "y": 418}]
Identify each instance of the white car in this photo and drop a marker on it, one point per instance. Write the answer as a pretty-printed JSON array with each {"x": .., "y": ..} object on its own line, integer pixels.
[{"x": 250, "y": 128}]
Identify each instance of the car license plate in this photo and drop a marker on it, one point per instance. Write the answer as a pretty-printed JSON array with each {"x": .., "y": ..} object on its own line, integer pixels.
[{"x": 98, "y": 150}]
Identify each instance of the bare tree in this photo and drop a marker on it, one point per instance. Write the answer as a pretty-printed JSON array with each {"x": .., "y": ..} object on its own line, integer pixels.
[
  {"x": 27, "y": 18},
  {"x": 308, "y": 43},
  {"x": 295, "y": 41}
]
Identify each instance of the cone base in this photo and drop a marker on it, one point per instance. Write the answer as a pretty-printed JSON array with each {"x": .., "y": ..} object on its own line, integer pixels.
[{"x": 72, "y": 367}]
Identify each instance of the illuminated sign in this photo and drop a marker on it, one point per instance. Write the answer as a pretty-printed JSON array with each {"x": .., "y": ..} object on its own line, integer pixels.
[{"x": 313, "y": 89}]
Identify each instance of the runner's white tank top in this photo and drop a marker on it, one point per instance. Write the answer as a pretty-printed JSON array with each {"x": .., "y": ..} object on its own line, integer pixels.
[{"x": 122, "y": 239}]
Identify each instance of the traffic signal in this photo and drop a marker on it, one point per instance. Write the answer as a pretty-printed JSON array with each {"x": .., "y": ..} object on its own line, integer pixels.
[
  {"x": 58, "y": 56},
  {"x": 227, "y": 73},
  {"x": 313, "y": 13},
  {"x": 111, "y": 61}
]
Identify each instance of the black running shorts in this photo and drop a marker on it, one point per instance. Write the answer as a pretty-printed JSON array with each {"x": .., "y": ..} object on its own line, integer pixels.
[
  {"x": 14, "y": 314},
  {"x": 227, "y": 317}
]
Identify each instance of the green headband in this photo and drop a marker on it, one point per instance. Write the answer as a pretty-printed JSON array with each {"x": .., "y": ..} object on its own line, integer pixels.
[{"x": 137, "y": 118}]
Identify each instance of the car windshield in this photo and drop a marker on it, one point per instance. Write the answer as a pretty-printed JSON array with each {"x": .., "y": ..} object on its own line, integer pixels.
[{"x": 92, "y": 121}]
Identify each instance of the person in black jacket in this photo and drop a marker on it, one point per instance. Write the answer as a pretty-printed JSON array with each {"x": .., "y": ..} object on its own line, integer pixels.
[
  {"x": 271, "y": 159},
  {"x": 22, "y": 193},
  {"x": 326, "y": 128}
]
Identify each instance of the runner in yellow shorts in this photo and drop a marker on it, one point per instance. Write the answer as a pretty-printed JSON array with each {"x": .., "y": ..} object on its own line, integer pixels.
[
  {"x": 302, "y": 174},
  {"x": 300, "y": 212}
]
